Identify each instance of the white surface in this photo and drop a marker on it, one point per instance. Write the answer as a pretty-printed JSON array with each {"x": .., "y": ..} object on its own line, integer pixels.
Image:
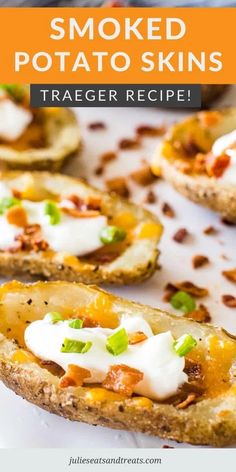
[{"x": 22, "y": 424}]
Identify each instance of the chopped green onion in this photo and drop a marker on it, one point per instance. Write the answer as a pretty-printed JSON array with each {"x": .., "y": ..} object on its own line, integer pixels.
[
  {"x": 52, "y": 210},
  {"x": 112, "y": 234},
  {"x": 53, "y": 317},
  {"x": 76, "y": 324},
  {"x": 16, "y": 91},
  {"x": 8, "y": 202},
  {"x": 184, "y": 344},
  {"x": 117, "y": 342},
  {"x": 183, "y": 301},
  {"x": 77, "y": 347}
]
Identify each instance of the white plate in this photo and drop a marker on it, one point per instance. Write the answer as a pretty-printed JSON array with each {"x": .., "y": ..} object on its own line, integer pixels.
[{"x": 24, "y": 425}]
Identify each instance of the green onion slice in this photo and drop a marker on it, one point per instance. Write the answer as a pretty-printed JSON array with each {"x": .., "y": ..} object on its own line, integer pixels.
[
  {"x": 184, "y": 344},
  {"x": 8, "y": 202},
  {"x": 77, "y": 347},
  {"x": 183, "y": 301},
  {"x": 54, "y": 317},
  {"x": 112, "y": 234},
  {"x": 76, "y": 324},
  {"x": 52, "y": 210},
  {"x": 117, "y": 342}
]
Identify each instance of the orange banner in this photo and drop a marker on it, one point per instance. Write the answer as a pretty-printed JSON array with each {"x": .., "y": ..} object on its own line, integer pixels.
[{"x": 120, "y": 45}]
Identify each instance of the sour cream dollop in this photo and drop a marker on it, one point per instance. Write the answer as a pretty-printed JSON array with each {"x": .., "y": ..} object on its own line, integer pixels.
[
  {"x": 155, "y": 357},
  {"x": 14, "y": 119},
  {"x": 75, "y": 236},
  {"x": 227, "y": 144}
]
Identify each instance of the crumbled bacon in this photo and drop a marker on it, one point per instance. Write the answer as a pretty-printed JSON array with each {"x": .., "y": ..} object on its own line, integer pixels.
[
  {"x": 180, "y": 235},
  {"x": 91, "y": 203},
  {"x": 17, "y": 216},
  {"x": 31, "y": 239},
  {"x": 190, "y": 147},
  {"x": 137, "y": 337},
  {"x": 96, "y": 126},
  {"x": 17, "y": 193},
  {"x": 108, "y": 157},
  {"x": 188, "y": 287},
  {"x": 216, "y": 166},
  {"x": 80, "y": 214},
  {"x": 149, "y": 130},
  {"x": 230, "y": 275},
  {"x": 122, "y": 379},
  {"x": 229, "y": 301},
  {"x": 150, "y": 197},
  {"x": 88, "y": 322},
  {"x": 201, "y": 314},
  {"x": 129, "y": 143},
  {"x": 210, "y": 230},
  {"x": 74, "y": 377},
  {"x": 119, "y": 186},
  {"x": 169, "y": 291},
  {"x": 227, "y": 222},
  {"x": 167, "y": 210},
  {"x": 185, "y": 403},
  {"x": 52, "y": 367},
  {"x": 143, "y": 176},
  {"x": 99, "y": 170},
  {"x": 199, "y": 260}
]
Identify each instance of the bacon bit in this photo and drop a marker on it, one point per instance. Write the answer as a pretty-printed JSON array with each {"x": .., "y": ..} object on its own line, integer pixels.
[
  {"x": 80, "y": 214},
  {"x": 167, "y": 447},
  {"x": 99, "y": 170},
  {"x": 180, "y": 235},
  {"x": 167, "y": 210},
  {"x": 193, "y": 370},
  {"x": 199, "y": 261},
  {"x": 199, "y": 165},
  {"x": 31, "y": 240},
  {"x": 17, "y": 193},
  {"x": 143, "y": 176},
  {"x": 119, "y": 186},
  {"x": 230, "y": 275},
  {"x": 215, "y": 166},
  {"x": 129, "y": 143},
  {"x": 97, "y": 125},
  {"x": 17, "y": 216},
  {"x": 190, "y": 147},
  {"x": 92, "y": 203},
  {"x": 74, "y": 377},
  {"x": 170, "y": 290},
  {"x": 149, "y": 130},
  {"x": 137, "y": 337},
  {"x": 229, "y": 301},
  {"x": 52, "y": 367},
  {"x": 188, "y": 287},
  {"x": 190, "y": 399},
  {"x": 210, "y": 230},
  {"x": 226, "y": 222},
  {"x": 122, "y": 379},
  {"x": 209, "y": 118},
  {"x": 201, "y": 314},
  {"x": 108, "y": 157},
  {"x": 150, "y": 197},
  {"x": 102, "y": 258}
]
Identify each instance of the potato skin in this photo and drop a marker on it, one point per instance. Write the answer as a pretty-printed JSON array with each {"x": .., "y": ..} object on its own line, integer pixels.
[
  {"x": 63, "y": 137},
  {"x": 137, "y": 263},
  {"x": 207, "y": 191},
  {"x": 200, "y": 423},
  {"x": 202, "y": 190}
]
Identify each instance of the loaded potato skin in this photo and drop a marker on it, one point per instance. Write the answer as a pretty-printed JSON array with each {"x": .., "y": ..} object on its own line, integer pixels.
[{"x": 210, "y": 420}]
